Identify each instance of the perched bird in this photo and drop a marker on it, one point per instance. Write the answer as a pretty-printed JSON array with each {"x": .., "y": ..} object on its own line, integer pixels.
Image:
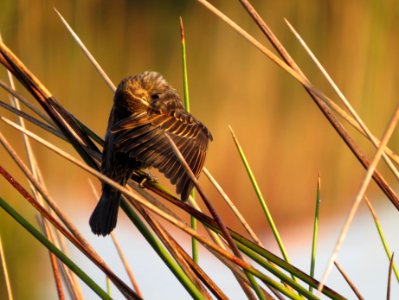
[{"x": 145, "y": 109}]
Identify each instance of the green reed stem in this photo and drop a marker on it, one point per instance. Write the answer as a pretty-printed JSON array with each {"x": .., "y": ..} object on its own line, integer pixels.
[
  {"x": 184, "y": 63},
  {"x": 315, "y": 231},
  {"x": 108, "y": 284},
  {"x": 186, "y": 97},
  {"x": 382, "y": 237},
  {"x": 260, "y": 197}
]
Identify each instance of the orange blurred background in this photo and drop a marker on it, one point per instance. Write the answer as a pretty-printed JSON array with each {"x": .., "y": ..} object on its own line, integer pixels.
[{"x": 285, "y": 137}]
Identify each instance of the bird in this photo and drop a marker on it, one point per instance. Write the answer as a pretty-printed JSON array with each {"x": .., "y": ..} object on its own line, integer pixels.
[{"x": 146, "y": 108}]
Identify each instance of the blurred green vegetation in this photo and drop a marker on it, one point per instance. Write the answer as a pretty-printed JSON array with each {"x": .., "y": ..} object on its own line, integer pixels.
[{"x": 285, "y": 137}]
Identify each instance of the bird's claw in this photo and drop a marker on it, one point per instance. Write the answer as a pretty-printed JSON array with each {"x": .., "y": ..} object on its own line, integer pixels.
[
  {"x": 141, "y": 183},
  {"x": 147, "y": 177}
]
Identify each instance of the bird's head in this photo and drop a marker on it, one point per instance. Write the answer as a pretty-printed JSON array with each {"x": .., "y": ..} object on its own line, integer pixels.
[{"x": 143, "y": 91}]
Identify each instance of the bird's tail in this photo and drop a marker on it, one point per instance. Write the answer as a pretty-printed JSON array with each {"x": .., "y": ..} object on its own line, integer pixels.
[{"x": 104, "y": 217}]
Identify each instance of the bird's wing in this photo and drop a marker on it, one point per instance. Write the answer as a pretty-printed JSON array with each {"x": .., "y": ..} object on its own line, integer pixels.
[{"x": 142, "y": 137}]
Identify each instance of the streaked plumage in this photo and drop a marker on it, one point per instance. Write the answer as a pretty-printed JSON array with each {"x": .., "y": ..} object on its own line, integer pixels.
[{"x": 145, "y": 108}]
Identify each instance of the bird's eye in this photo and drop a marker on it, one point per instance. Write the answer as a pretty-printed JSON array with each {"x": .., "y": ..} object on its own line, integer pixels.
[{"x": 154, "y": 96}]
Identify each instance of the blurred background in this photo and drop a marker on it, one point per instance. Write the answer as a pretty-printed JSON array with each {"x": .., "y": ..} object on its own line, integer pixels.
[{"x": 285, "y": 137}]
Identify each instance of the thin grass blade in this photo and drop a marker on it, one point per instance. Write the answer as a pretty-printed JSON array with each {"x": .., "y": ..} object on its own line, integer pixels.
[
  {"x": 382, "y": 236},
  {"x": 5, "y": 271},
  {"x": 349, "y": 281},
  {"x": 186, "y": 99},
  {"x": 126, "y": 265},
  {"x": 389, "y": 277},
  {"x": 230, "y": 203},
  {"x": 87, "y": 52},
  {"x": 53, "y": 260},
  {"x": 259, "y": 194},
  {"x": 315, "y": 230}
]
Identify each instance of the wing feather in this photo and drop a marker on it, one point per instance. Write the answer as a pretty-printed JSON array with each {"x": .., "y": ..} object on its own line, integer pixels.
[{"x": 142, "y": 137}]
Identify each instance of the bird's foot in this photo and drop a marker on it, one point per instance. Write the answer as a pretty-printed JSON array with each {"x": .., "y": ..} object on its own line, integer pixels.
[{"x": 145, "y": 176}]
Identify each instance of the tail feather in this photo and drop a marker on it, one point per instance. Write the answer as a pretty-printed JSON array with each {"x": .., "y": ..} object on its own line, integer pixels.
[{"x": 104, "y": 217}]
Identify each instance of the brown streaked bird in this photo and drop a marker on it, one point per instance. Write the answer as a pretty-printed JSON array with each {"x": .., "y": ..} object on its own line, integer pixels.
[{"x": 145, "y": 109}]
